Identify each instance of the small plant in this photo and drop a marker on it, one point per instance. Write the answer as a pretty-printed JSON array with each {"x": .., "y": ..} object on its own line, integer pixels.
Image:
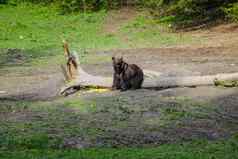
[{"x": 232, "y": 12}]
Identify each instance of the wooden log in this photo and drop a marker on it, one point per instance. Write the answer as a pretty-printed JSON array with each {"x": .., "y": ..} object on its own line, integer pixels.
[
  {"x": 189, "y": 81},
  {"x": 152, "y": 80},
  {"x": 86, "y": 79}
]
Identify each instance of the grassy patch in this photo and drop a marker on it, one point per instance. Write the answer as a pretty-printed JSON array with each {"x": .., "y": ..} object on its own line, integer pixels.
[
  {"x": 40, "y": 30},
  {"x": 195, "y": 150},
  {"x": 30, "y": 125},
  {"x": 40, "y": 129}
]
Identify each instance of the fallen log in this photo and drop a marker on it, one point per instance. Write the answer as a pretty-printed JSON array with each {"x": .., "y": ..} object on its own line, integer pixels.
[{"x": 153, "y": 80}]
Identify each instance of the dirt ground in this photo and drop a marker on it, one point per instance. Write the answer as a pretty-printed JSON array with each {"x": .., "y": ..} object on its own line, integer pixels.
[{"x": 142, "y": 108}]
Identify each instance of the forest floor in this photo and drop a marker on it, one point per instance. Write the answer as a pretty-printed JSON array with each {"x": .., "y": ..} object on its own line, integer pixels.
[{"x": 33, "y": 114}]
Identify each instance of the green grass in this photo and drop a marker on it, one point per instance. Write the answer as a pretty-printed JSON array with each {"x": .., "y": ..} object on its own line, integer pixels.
[
  {"x": 39, "y": 31},
  {"x": 34, "y": 125},
  {"x": 44, "y": 126},
  {"x": 39, "y": 129},
  {"x": 231, "y": 12},
  {"x": 42, "y": 28},
  {"x": 226, "y": 149}
]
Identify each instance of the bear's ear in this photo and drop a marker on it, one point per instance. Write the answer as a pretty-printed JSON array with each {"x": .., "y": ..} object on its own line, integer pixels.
[{"x": 113, "y": 58}]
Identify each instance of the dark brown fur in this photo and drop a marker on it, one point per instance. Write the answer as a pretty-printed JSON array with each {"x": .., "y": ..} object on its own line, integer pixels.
[{"x": 126, "y": 76}]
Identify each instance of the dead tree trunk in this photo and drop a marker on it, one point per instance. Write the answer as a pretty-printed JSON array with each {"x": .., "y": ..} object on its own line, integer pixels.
[{"x": 152, "y": 81}]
